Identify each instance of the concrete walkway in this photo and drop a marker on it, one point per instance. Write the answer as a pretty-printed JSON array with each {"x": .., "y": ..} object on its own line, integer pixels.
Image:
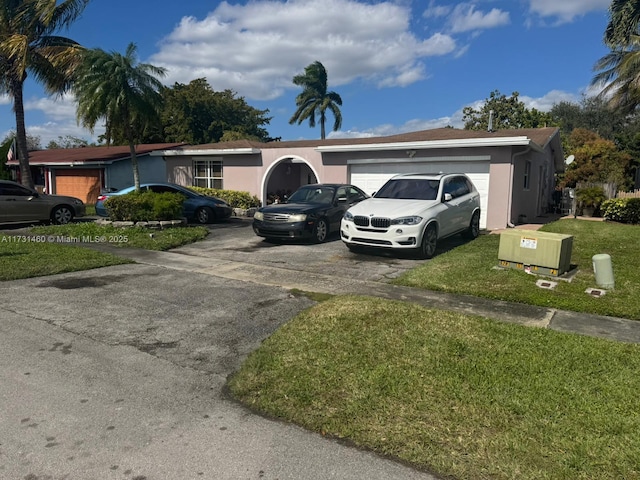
[{"x": 612, "y": 328}]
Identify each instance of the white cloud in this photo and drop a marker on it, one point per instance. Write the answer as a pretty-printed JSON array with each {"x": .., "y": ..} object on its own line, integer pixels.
[
  {"x": 566, "y": 10},
  {"x": 466, "y": 18},
  {"x": 62, "y": 108},
  {"x": 60, "y": 115},
  {"x": 547, "y": 101},
  {"x": 255, "y": 49}
]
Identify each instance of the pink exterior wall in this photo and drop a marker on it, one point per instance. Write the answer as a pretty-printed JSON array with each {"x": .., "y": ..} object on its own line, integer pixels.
[{"x": 507, "y": 197}]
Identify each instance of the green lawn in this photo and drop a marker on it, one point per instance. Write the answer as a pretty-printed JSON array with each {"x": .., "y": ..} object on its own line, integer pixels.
[
  {"x": 470, "y": 269},
  {"x": 20, "y": 259},
  {"x": 48, "y": 250},
  {"x": 457, "y": 395}
]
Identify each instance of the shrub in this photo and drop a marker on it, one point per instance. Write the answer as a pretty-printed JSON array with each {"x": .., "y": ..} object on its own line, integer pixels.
[
  {"x": 235, "y": 198},
  {"x": 144, "y": 206},
  {"x": 623, "y": 210},
  {"x": 591, "y": 196}
]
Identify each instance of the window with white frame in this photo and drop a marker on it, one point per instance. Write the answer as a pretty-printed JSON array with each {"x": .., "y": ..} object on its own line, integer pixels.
[
  {"x": 207, "y": 173},
  {"x": 527, "y": 175}
]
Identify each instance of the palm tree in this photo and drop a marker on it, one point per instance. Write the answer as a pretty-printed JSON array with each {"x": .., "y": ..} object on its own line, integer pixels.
[
  {"x": 314, "y": 98},
  {"x": 121, "y": 91},
  {"x": 28, "y": 44},
  {"x": 624, "y": 17},
  {"x": 619, "y": 72}
]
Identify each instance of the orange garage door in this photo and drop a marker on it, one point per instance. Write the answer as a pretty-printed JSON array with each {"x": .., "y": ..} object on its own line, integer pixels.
[{"x": 80, "y": 183}]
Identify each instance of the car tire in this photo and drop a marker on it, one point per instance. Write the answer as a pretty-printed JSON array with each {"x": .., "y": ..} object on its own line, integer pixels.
[
  {"x": 429, "y": 242},
  {"x": 62, "y": 214},
  {"x": 321, "y": 231},
  {"x": 474, "y": 227},
  {"x": 205, "y": 215}
]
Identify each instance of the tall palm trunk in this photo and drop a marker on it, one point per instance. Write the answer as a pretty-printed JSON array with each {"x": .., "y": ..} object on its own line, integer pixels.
[
  {"x": 134, "y": 165},
  {"x": 322, "y": 121},
  {"x": 21, "y": 134}
]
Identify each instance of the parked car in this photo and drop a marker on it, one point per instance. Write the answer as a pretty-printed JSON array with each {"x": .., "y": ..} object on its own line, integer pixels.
[
  {"x": 414, "y": 212},
  {"x": 196, "y": 207},
  {"x": 21, "y": 204},
  {"x": 312, "y": 212}
]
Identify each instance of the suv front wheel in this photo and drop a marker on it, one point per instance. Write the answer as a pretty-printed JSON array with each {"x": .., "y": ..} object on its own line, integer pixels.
[{"x": 429, "y": 242}]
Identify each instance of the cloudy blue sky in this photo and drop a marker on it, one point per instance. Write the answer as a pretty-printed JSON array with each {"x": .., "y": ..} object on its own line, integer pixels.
[{"x": 399, "y": 65}]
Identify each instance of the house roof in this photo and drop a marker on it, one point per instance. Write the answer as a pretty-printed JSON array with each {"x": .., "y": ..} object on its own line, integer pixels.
[
  {"x": 539, "y": 136},
  {"x": 90, "y": 155},
  {"x": 535, "y": 138}
]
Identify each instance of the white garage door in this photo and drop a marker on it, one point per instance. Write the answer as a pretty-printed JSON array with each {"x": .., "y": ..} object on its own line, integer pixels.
[{"x": 371, "y": 175}]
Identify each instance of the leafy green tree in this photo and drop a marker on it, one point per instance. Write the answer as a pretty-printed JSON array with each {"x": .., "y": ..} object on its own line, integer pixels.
[
  {"x": 124, "y": 93},
  {"x": 507, "y": 113},
  {"x": 68, "y": 141},
  {"x": 34, "y": 142},
  {"x": 315, "y": 99},
  {"x": 196, "y": 114},
  {"x": 28, "y": 44},
  {"x": 596, "y": 160},
  {"x": 592, "y": 113}
]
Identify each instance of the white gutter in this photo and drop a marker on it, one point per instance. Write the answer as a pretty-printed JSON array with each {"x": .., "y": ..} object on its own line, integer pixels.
[
  {"x": 431, "y": 144},
  {"x": 208, "y": 151}
]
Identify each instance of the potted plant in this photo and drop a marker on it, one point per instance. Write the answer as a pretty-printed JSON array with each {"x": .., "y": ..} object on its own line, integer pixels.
[{"x": 590, "y": 199}]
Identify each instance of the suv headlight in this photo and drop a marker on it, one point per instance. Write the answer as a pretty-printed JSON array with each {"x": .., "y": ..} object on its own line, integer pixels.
[
  {"x": 258, "y": 216},
  {"x": 412, "y": 220},
  {"x": 348, "y": 216},
  {"x": 299, "y": 217}
]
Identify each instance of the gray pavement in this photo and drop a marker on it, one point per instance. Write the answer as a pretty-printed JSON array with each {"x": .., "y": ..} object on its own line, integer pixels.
[
  {"x": 119, "y": 372},
  {"x": 188, "y": 259}
]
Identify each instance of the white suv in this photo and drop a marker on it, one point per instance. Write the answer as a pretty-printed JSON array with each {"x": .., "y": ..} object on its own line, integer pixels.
[{"x": 414, "y": 211}]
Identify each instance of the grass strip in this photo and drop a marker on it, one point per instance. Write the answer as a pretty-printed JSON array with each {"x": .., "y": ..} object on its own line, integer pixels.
[
  {"x": 471, "y": 269},
  {"x": 26, "y": 260},
  {"x": 453, "y": 394}
]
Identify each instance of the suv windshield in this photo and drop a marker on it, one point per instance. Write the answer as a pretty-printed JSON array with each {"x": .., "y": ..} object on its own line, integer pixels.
[
  {"x": 322, "y": 195},
  {"x": 409, "y": 188}
]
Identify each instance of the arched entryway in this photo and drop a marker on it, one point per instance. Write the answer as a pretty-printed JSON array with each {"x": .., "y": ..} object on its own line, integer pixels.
[{"x": 284, "y": 177}]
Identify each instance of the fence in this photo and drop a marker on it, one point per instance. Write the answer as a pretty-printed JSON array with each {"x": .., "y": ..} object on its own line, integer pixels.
[{"x": 634, "y": 194}]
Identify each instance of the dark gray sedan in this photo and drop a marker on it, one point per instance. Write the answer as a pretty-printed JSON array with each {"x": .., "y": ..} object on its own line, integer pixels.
[{"x": 312, "y": 212}]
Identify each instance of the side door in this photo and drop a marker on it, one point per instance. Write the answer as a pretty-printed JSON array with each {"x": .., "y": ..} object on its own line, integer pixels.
[
  {"x": 448, "y": 216},
  {"x": 464, "y": 202},
  {"x": 20, "y": 204},
  {"x": 341, "y": 202}
]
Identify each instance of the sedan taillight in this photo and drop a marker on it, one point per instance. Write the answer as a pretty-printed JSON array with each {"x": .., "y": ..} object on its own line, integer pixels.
[{"x": 102, "y": 198}]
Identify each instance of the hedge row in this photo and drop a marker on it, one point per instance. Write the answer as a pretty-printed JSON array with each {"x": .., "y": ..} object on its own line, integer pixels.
[
  {"x": 235, "y": 199},
  {"x": 145, "y": 206},
  {"x": 624, "y": 210}
]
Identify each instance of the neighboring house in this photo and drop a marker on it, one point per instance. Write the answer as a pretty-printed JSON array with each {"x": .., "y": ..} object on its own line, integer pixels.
[
  {"x": 83, "y": 172},
  {"x": 514, "y": 170}
]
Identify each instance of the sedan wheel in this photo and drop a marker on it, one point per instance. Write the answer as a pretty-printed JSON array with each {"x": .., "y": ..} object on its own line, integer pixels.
[
  {"x": 429, "y": 242},
  {"x": 62, "y": 215},
  {"x": 204, "y": 215},
  {"x": 474, "y": 226},
  {"x": 321, "y": 231}
]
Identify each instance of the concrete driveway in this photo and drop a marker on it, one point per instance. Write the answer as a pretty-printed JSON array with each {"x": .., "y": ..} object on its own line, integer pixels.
[{"x": 119, "y": 372}]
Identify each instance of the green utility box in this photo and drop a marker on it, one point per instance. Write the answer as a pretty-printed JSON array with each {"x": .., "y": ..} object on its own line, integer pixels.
[{"x": 535, "y": 252}]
